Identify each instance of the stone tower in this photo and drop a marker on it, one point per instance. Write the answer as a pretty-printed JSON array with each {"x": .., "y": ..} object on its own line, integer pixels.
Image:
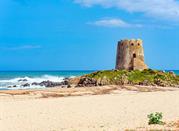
[{"x": 130, "y": 55}]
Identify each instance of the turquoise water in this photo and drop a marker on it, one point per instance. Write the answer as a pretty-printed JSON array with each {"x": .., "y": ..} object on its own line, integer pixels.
[
  {"x": 4, "y": 75},
  {"x": 8, "y": 79},
  {"x": 20, "y": 74}
]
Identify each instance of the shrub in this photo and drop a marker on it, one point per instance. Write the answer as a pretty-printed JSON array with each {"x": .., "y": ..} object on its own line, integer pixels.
[{"x": 155, "y": 118}]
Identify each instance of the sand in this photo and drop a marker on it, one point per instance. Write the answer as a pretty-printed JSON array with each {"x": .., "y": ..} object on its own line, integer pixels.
[{"x": 117, "y": 111}]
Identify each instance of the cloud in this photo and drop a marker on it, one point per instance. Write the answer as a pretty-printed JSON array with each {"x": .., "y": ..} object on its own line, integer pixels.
[
  {"x": 24, "y": 47},
  {"x": 160, "y": 9},
  {"x": 114, "y": 22}
]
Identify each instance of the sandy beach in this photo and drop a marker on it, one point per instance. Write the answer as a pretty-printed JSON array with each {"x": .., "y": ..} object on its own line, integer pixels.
[
  {"x": 116, "y": 110},
  {"x": 89, "y": 65}
]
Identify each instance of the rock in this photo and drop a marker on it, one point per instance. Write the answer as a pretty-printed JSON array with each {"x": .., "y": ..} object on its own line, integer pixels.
[
  {"x": 99, "y": 83},
  {"x": 12, "y": 86},
  {"x": 67, "y": 79},
  {"x": 74, "y": 81},
  {"x": 22, "y": 80},
  {"x": 124, "y": 79},
  {"x": 69, "y": 86},
  {"x": 103, "y": 81},
  {"x": 35, "y": 83},
  {"x": 87, "y": 82},
  {"x": 25, "y": 85},
  {"x": 162, "y": 83},
  {"x": 65, "y": 82},
  {"x": 50, "y": 84},
  {"x": 161, "y": 72},
  {"x": 145, "y": 83},
  {"x": 172, "y": 73}
]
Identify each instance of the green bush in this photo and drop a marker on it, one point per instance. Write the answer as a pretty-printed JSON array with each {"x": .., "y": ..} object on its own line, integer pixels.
[{"x": 155, "y": 118}]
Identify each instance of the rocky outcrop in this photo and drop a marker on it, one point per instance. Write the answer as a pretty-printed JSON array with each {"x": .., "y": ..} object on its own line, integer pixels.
[
  {"x": 63, "y": 84},
  {"x": 101, "y": 81},
  {"x": 123, "y": 77},
  {"x": 74, "y": 81}
]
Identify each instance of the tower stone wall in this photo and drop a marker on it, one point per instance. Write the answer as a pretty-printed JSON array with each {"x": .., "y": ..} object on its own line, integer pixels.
[{"x": 130, "y": 55}]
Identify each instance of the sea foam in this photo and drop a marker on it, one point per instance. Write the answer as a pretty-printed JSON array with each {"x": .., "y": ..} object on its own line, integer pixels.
[{"x": 16, "y": 83}]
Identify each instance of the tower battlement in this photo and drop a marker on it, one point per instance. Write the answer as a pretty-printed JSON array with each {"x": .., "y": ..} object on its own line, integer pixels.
[{"x": 130, "y": 55}]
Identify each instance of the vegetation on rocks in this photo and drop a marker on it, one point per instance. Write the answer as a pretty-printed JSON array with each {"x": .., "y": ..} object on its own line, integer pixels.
[{"x": 134, "y": 77}]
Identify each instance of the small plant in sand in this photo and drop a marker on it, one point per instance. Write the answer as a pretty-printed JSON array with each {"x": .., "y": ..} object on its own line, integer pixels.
[{"x": 155, "y": 118}]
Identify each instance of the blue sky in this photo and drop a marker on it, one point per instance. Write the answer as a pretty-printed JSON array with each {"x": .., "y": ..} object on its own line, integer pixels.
[{"x": 83, "y": 34}]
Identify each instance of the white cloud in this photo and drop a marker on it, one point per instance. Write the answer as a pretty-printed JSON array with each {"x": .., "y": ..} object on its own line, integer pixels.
[
  {"x": 21, "y": 47},
  {"x": 161, "y": 9},
  {"x": 113, "y": 23}
]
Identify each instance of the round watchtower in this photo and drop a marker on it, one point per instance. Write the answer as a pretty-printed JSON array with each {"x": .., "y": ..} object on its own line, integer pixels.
[{"x": 130, "y": 55}]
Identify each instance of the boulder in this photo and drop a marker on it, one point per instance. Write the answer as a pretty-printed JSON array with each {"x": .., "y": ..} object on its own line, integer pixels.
[
  {"x": 87, "y": 82},
  {"x": 69, "y": 86},
  {"x": 50, "y": 84},
  {"x": 35, "y": 83},
  {"x": 65, "y": 82},
  {"x": 74, "y": 81},
  {"x": 25, "y": 85}
]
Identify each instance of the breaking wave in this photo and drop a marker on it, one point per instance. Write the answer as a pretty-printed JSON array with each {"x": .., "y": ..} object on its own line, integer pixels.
[{"x": 16, "y": 83}]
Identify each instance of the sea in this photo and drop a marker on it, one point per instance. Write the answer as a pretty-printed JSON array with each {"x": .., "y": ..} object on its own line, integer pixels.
[{"x": 13, "y": 80}]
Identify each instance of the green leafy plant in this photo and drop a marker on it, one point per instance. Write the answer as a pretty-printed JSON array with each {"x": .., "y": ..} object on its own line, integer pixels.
[{"x": 155, "y": 118}]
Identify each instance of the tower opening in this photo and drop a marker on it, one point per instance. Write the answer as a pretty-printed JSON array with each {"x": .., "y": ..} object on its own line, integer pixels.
[{"x": 134, "y": 55}]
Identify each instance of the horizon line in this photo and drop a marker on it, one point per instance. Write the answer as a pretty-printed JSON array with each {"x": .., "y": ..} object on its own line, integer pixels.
[{"x": 75, "y": 70}]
